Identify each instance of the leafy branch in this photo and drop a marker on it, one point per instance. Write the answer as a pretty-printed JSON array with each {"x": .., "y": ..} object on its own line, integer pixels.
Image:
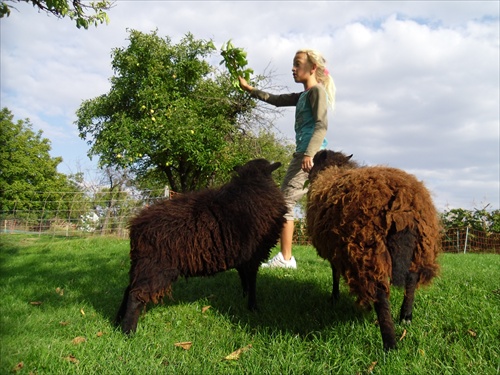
[
  {"x": 235, "y": 60},
  {"x": 76, "y": 10}
]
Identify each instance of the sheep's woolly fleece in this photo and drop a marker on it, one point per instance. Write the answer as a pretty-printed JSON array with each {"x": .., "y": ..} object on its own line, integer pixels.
[
  {"x": 205, "y": 232},
  {"x": 350, "y": 214}
]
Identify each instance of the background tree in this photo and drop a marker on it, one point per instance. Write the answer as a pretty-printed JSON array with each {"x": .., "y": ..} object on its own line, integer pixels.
[
  {"x": 480, "y": 219},
  {"x": 113, "y": 201},
  {"x": 171, "y": 117},
  {"x": 28, "y": 174},
  {"x": 76, "y": 10}
]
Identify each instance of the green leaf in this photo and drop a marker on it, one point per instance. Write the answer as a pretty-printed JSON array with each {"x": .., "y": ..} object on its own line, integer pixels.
[{"x": 235, "y": 62}]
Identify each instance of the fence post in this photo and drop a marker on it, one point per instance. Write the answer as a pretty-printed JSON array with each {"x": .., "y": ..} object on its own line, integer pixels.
[{"x": 466, "y": 237}]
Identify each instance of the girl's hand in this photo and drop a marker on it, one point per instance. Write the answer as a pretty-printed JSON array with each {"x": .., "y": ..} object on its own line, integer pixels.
[
  {"x": 307, "y": 163},
  {"x": 244, "y": 84}
]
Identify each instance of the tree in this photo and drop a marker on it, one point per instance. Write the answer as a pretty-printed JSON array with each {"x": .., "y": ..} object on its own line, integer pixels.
[
  {"x": 170, "y": 117},
  {"x": 28, "y": 174},
  {"x": 76, "y": 10},
  {"x": 111, "y": 202},
  {"x": 479, "y": 219}
]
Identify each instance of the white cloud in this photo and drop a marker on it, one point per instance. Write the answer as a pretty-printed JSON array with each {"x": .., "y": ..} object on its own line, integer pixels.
[{"x": 417, "y": 82}]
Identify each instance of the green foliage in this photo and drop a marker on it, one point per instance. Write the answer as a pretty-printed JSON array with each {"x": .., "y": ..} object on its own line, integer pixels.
[
  {"x": 4, "y": 10},
  {"x": 75, "y": 10},
  {"x": 479, "y": 219},
  {"x": 58, "y": 299},
  {"x": 235, "y": 60},
  {"x": 28, "y": 174},
  {"x": 169, "y": 117}
]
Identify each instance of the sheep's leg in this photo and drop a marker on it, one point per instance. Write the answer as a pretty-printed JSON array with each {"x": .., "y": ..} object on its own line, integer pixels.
[
  {"x": 123, "y": 307},
  {"x": 132, "y": 312},
  {"x": 250, "y": 271},
  {"x": 243, "y": 278},
  {"x": 146, "y": 290},
  {"x": 335, "y": 288},
  {"x": 383, "y": 309},
  {"x": 407, "y": 306}
]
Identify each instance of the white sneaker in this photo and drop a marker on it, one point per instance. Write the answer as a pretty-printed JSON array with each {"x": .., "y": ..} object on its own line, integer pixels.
[{"x": 279, "y": 262}]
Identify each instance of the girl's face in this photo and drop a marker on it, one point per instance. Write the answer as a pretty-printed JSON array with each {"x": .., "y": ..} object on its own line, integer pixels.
[{"x": 302, "y": 69}]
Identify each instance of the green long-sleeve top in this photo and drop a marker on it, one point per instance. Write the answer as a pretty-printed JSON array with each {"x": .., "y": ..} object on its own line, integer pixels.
[{"x": 311, "y": 120}]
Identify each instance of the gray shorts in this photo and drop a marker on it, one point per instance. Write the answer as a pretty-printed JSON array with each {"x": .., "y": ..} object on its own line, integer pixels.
[{"x": 293, "y": 184}]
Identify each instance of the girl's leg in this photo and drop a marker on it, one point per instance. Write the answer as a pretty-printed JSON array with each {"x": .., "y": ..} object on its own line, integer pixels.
[
  {"x": 293, "y": 189},
  {"x": 286, "y": 239}
]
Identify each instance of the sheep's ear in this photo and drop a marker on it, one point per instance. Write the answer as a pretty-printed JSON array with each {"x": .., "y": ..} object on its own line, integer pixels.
[
  {"x": 322, "y": 155},
  {"x": 274, "y": 166},
  {"x": 349, "y": 157}
]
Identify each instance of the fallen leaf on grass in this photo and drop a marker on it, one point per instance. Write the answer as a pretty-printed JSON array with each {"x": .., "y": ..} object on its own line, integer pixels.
[
  {"x": 372, "y": 366},
  {"x": 71, "y": 358},
  {"x": 82, "y": 312},
  {"x": 422, "y": 352},
  {"x": 36, "y": 303},
  {"x": 186, "y": 345},
  {"x": 78, "y": 340},
  {"x": 205, "y": 308},
  {"x": 64, "y": 323},
  {"x": 472, "y": 333},
  {"x": 403, "y": 335},
  {"x": 18, "y": 367},
  {"x": 99, "y": 334},
  {"x": 234, "y": 356},
  {"x": 60, "y": 291}
]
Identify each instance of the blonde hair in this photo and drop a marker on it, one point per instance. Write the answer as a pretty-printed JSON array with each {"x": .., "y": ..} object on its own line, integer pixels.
[{"x": 322, "y": 74}]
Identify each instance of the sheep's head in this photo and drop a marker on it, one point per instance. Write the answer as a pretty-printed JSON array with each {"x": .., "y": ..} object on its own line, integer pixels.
[
  {"x": 327, "y": 158},
  {"x": 257, "y": 166}
]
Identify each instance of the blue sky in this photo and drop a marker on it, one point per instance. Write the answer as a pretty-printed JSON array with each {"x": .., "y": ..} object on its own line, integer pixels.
[{"x": 417, "y": 82}]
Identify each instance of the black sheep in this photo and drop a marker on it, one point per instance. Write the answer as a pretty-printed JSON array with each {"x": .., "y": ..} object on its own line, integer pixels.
[{"x": 202, "y": 233}]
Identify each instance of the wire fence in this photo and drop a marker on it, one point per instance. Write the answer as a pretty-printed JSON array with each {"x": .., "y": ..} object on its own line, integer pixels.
[
  {"x": 454, "y": 240},
  {"x": 469, "y": 240},
  {"x": 78, "y": 213},
  {"x": 108, "y": 213}
]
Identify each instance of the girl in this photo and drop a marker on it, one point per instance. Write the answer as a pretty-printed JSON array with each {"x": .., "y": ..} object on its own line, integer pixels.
[{"x": 311, "y": 124}]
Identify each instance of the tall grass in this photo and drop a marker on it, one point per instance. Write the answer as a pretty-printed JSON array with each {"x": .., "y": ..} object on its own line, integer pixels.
[{"x": 58, "y": 298}]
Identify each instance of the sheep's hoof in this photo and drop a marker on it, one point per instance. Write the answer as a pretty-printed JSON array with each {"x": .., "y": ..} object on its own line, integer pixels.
[
  {"x": 333, "y": 299},
  {"x": 127, "y": 330},
  {"x": 129, "y": 333},
  {"x": 390, "y": 345},
  {"x": 253, "y": 308},
  {"x": 405, "y": 318}
]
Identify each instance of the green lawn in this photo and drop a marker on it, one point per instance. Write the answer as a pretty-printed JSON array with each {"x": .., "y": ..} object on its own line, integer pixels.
[{"x": 58, "y": 298}]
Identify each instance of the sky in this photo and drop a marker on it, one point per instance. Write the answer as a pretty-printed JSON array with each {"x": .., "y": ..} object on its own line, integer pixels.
[{"x": 417, "y": 82}]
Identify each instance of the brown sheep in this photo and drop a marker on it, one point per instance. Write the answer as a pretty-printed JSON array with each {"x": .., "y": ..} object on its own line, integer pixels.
[
  {"x": 202, "y": 233},
  {"x": 377, "y": 226}
]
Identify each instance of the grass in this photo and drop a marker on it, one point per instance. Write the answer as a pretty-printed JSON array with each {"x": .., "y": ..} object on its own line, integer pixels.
[{"x": 58, "y": 298}]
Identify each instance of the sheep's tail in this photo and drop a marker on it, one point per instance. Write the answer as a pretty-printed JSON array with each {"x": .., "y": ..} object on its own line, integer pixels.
[{"x": 401, "y": 246}]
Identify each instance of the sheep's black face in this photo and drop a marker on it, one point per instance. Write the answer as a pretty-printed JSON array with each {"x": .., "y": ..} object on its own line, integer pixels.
[
  {"x": 258, "y": 166},
  {"x": 328, "y": 158}
]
